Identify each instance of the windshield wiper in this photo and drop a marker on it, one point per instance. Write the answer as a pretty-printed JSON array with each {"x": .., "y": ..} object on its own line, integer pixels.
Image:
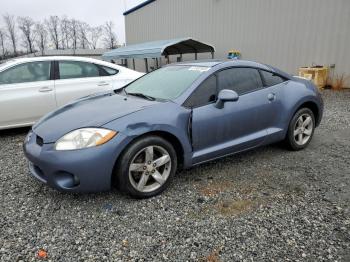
[{"x": 143, "y": 96}]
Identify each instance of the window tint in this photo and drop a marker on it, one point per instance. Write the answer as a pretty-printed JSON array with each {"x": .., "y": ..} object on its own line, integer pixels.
[
  {"x": 241, "y": 80},
  {"x": 109, "y": 71},
  {"x": 204, "y": 94},
  {"x": 76, "y": 69},
  {"x": 271, "y": 79},
  {"x": 28, "y": 72}
]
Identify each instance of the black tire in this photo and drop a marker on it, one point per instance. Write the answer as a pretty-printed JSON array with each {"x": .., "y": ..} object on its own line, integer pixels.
[
  {"x": 123, "y": 181},
  {"x": 290, "y": 138}
]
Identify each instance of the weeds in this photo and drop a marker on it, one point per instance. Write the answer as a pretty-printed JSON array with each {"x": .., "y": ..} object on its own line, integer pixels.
[{"x": 339, "y": 82}]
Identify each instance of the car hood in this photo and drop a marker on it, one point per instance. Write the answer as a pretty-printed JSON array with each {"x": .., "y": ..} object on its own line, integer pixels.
[{"x": 91, "y": 111}]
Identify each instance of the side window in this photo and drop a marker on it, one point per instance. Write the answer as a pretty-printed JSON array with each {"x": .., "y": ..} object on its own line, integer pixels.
[
  {"x": 241, "y": 80},
  {"x": 77, "y": 69},
  {"x": 107, "y": 71},
  {"x": 205, "y": 94},
  {"x": 271, "y": 79},
  {"x": 28, "y": 72}
]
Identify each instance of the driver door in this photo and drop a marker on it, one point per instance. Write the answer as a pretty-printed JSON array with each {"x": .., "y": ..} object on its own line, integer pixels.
[{"x": 238, "y": 125}]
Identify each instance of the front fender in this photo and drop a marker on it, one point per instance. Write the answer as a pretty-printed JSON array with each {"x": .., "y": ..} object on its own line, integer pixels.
[
  {"x": 168, "y": 118},
  {"x": 136, "y": 130}
]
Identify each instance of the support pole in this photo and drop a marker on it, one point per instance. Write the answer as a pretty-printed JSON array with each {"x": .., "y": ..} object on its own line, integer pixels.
[
  {"x": 157, "y": 64},
  {"x": 146, "y": 65},
  {"x": 133, "y": 63},
  {"x": 212, "y": 55},
  {"x": 195, "y": 56}
]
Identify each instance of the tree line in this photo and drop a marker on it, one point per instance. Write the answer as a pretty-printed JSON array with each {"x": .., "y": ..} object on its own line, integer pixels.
[{"x": 24, "y": 35}]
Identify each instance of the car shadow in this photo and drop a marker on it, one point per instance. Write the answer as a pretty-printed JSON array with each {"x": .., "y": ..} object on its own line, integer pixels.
[
  {"x": 235, "y": 158},
  {"x": 14, "y": 131}
]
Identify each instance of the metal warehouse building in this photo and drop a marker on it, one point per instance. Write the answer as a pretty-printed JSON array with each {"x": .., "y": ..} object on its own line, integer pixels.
[{"x": 284, "y": 33}]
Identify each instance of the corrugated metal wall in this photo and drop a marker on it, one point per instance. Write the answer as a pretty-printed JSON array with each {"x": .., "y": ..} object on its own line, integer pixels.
[{"x": 284, "y": 33}]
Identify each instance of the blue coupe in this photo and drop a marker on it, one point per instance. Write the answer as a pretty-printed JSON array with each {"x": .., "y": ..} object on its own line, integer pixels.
[{"x": 176, "y": 117}]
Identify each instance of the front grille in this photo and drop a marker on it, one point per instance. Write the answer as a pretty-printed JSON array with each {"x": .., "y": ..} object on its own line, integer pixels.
[{"x": 39, "y": 141}]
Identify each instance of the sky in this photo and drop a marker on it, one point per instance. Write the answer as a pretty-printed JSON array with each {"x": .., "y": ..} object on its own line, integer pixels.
[{"x": 94, "y": 12}]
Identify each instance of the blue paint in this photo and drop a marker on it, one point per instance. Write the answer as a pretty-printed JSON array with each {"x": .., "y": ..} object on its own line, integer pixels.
[{"x": 251, "y": 121}]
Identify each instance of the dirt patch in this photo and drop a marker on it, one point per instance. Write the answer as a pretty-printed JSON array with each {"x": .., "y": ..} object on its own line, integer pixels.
[
  {"x": 212, "y": 257},
  {"x": 214, "y": 188},
  {"x": 235, "y": 207}
]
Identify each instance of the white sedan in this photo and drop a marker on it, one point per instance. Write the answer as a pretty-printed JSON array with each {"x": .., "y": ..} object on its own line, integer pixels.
[{"x": 32, "y": 87}]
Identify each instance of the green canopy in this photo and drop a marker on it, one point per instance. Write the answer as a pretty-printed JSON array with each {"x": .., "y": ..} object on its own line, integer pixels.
[{"x": 160, "y": 48}]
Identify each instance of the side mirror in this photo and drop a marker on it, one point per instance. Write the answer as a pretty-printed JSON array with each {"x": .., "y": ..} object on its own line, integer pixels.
[{"x": 226, "y": 95}]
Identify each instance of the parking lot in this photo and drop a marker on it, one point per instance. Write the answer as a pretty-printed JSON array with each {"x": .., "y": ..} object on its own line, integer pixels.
[{"x": 267, "y": 204}]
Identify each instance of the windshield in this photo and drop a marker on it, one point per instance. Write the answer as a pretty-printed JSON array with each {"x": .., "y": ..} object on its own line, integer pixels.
[{"x": 166, "y": 83}]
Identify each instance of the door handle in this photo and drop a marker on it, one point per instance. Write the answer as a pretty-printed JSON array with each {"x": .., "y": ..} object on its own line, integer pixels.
[
  {"x": 103, "y": 84},
  {"x": 45, "y": 89},
  {"x": 271, "y": 97}
]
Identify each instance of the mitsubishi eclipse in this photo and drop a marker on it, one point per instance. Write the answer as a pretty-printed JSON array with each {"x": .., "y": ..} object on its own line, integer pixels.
[{"x": 136, "y": 137}]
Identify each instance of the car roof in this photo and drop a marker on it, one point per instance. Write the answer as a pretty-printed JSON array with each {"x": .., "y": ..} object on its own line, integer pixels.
[
  {"x": 224, "y": 63},
  {"x": 204, "y": 63},
  {"x": 49, "y": 58},
  {"x": 16, "y": 61}
]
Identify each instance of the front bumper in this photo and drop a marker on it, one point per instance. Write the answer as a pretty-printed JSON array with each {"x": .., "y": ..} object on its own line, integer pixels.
[{"x": 85, "y": 170}]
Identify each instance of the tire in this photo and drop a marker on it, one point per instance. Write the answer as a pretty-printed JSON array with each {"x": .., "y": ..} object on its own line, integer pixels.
[
  {"x": 300, "y": 130},
  {"x": 138, "y": 163}
]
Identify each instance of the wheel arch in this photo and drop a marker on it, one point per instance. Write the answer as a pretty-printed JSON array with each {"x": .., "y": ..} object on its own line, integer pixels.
[
  {"x": 171, "y": 138},
  {"x": 313, "y": 107}
]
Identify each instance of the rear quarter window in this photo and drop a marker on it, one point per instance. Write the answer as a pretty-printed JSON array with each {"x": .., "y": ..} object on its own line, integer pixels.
[
  {"x": 108, "y": 71},
  {"x": 271, "y": 79}
]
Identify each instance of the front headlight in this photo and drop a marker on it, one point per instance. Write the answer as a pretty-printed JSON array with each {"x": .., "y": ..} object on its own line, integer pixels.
[{"x": 84, "y": 138}]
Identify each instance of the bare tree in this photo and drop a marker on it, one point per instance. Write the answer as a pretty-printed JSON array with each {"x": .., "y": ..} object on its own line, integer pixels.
[
  {"x": 2, "y": 42},
  {"x": 110, "y": 37},
  {"x": 84, "y": 28},
  {"x": 10, "y": 24},
  {"x": 26, "y": 25},
  {"x": 41, "y": 39},
  {"x": 94, "y": 36},
  {"x": 74, "y": 30},
  {"x": 53, "y": 29},
  {"x": 55, "y": 32},
  {"x": 65, "y": 32}
]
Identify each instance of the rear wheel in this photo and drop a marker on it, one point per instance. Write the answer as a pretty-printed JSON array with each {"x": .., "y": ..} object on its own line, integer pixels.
[
  {"x": 301, "y": 129},
  {"x": 146, "y": 167}
]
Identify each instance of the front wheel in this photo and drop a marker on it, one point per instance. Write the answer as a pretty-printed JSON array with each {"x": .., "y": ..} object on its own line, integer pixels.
[
  {"x": 146, "y": 167},
  {"x": 301, "y": 129}
]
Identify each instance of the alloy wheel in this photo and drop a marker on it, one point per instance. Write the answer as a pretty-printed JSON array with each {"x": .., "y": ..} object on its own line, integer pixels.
[
  {"x": 303, "y": 129},
  {"x": 150, "y": 168}
]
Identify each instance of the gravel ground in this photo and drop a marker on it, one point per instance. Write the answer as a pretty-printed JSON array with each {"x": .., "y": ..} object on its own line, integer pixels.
[{"x": 267, "y": 204}]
